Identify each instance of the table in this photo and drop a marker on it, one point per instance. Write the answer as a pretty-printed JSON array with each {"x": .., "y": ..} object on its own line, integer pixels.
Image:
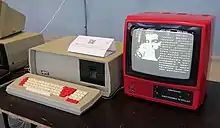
[{"x": 120, "y": 112}]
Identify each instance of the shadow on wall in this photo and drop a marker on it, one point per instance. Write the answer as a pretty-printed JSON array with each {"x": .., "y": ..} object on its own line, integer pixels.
[{"x": 105, "y": 18}]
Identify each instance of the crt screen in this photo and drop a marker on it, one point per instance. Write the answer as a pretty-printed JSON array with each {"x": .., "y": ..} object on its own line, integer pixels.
[{"x": 162, "y": 53}]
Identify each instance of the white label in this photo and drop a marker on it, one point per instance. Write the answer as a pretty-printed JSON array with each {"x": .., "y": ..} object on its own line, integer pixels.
[{"x": 95, "y": 46}]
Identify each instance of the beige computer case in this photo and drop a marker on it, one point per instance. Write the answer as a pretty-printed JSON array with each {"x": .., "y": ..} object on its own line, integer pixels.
[
  {"x": 56, "y": 62},
  {"x": 11, "y": 21},
  {"x": 17, "y": 47}
]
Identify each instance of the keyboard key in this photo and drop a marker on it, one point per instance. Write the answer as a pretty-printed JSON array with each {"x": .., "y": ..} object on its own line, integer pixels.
[
  {"x": 78, "y": 95},
  {"x": 35, "y": 90},
  {"x": 67, "y": 91},
  {"x": 23, "y": 81},
  {"x": 72, "y": 101}
]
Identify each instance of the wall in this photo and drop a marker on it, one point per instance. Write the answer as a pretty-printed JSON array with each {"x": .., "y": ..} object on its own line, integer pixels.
[
  {"x": 69, "y": 21},
  {"x": 105, "y": 17}
]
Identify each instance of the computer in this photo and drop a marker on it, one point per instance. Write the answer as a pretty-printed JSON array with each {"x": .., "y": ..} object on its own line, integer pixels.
[
  {"x": 11, "y": 20},
  {"x": 68, "y": 81},
  {"x": 14, "y": 50},
  {"x": 14, "y": 43},
  {"x": 53, "y": 60},
  {"x": 43, "y": 88},
  {"x": 166, "y": 57}
]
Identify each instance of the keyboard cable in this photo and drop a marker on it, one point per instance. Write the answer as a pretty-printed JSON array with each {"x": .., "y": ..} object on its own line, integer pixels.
[{"x": 54, "y": 16}]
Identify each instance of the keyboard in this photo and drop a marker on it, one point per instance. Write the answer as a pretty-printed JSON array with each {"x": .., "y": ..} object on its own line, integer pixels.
[{"x": 65, "y": 96}]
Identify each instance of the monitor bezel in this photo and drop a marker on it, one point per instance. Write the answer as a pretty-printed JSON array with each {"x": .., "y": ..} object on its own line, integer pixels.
[{"x": 195, "y": 30}]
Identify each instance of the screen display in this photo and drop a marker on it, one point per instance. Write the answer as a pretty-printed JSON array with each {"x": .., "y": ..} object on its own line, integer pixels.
[{"x": 164, "y": 53}]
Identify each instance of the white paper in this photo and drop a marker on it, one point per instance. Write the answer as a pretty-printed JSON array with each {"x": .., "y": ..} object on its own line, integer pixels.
[{"x": 95, "y": 46}]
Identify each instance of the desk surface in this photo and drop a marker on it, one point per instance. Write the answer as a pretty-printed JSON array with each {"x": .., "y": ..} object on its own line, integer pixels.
[{"x": 121, "y": 112}]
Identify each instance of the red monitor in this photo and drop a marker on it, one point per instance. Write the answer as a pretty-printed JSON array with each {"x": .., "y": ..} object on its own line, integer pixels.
[{"x": 166, "y": 57}]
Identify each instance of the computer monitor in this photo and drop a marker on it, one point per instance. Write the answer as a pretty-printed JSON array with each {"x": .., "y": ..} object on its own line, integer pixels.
[
  {"x": 14, "y": 51},
  {"x": 53, "y": 60},
  {"x": 166, "y": 57},
  {"x": 11, "y": 21}
]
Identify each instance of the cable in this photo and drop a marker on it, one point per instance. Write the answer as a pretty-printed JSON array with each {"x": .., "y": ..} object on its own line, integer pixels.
[
  {"x": 7, "y": 83},
  {"x": 54, "y": 15},
  {"x": 5, "y": 75},
  {"x": 108, "y": 98},
  {"x": 86, "y": 17},
  {"x": 27, "y": 68}
]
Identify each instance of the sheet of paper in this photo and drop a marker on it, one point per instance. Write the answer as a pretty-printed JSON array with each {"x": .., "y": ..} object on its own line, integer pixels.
[{"x": 95, "y": 46}]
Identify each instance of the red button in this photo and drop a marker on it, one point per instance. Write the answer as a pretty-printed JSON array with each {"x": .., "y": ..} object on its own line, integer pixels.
[
  {"x": 72, "y": 101},
  {"x": 23, "y": 81}
]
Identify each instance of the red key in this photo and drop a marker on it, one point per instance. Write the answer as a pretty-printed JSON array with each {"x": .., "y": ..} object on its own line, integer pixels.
[
  {"x": 67, "y": 91},
  {"x": 72, "y": 101},
  {"x": 71, "y": 91},
  {"x": 23, "y": 81},
  {"x": 64, "y": 92}
]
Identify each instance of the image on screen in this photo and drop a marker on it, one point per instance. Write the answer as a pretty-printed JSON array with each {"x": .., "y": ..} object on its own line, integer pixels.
[{"x": 162, "y": 52}]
